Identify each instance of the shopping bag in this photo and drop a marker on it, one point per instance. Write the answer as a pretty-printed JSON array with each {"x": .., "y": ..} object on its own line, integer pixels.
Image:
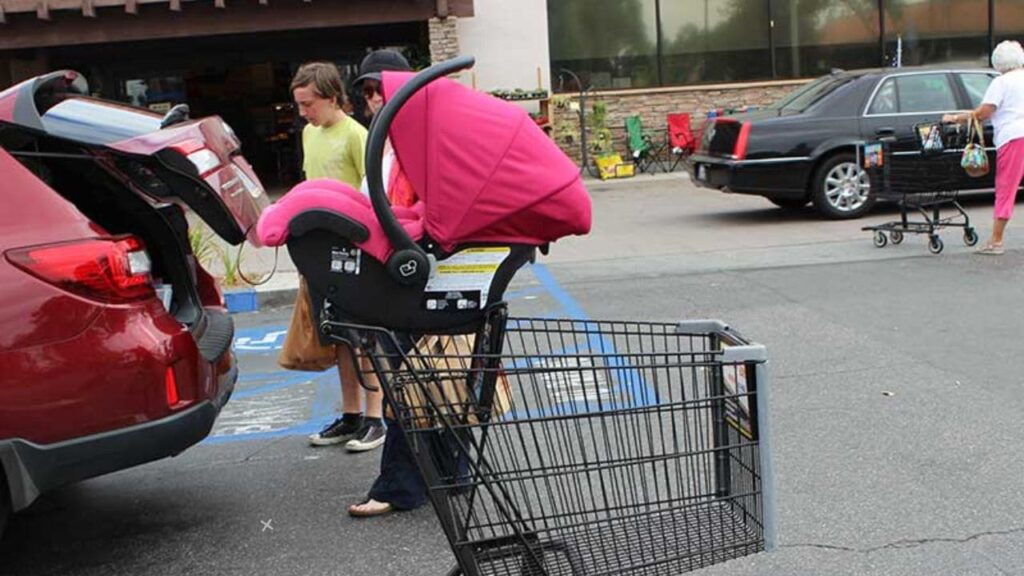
[
  {"x": 436, "y": 384},
  {"x": 302, "y": 349},
  {"x": 975, "y": 159}
]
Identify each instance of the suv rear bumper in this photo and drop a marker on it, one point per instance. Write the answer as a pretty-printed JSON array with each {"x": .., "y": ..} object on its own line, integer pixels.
[{"x": 33, "y": 469}]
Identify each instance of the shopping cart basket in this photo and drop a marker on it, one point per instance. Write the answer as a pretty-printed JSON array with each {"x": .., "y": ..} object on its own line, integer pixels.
[
  {"x": 548, "y": 447},
  {"x": 922, "y": 184},
  {"x": 576, "y": 447}
]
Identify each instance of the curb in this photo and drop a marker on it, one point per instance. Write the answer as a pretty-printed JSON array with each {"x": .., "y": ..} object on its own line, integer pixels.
[
  {"x": 276, "y": 298},
  {"x": 240, "y": 301}
]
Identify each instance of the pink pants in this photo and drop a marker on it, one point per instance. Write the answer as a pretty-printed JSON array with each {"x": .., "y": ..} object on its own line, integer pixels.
[{"x": 1009, "y": 172}]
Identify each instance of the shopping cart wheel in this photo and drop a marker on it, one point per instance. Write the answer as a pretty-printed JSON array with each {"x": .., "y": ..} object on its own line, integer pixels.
[
  {"x": 934, "y": 244},
  {"x": 970, "y": 236},
  {"x": 880, "y": 239},
  {"x": 896, "y": 236}
]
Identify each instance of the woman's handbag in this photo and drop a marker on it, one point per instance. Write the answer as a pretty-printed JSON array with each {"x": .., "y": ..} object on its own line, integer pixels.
[
  {"x": 302, "y": 349},
  {"x": 975, "y": 159}
]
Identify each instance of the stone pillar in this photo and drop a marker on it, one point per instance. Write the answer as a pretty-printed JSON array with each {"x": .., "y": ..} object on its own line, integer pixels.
[{"x": 444, "y": 38}]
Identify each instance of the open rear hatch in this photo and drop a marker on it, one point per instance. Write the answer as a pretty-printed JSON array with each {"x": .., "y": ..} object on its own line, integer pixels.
[{"x": 171, "y": 158}]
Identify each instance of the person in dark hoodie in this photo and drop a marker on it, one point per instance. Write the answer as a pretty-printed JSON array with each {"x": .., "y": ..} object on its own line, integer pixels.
[{"x": 399, "y": 485}]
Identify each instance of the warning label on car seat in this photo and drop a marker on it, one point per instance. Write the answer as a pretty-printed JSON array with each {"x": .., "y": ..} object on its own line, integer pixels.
[
  {"x": 346, "y": 260},
  {"x": 469, "y": 272}
]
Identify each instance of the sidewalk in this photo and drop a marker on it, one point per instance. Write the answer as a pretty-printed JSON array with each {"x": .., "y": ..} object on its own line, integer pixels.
[{"x": 283, "y": 283}]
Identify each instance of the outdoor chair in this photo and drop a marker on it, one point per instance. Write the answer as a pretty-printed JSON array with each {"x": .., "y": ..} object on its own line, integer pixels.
[
  {"x": 644, "y": 147},
  {"x": 681, "y": 140}
]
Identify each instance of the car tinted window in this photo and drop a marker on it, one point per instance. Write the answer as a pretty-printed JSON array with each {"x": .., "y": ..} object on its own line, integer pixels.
[
  {"x": 914, "y": 93},
  {"x": 885, "y": 100},
  {"x": 925, "y": 93},
  {"x": 804, "y": 97},
  {"x": 976, "y": 85}
]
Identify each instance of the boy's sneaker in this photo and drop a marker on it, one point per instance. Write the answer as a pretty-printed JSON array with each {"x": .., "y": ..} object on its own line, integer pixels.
[
  {"x": 338, "y": 432},
  {"x": 369, "y": 437}
]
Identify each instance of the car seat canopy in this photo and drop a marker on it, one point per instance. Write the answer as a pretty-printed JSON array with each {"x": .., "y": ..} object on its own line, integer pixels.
[{"x": 483, "y": 169}]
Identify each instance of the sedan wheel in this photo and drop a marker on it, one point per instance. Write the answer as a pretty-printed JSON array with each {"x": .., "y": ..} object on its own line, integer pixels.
[{"x": 843, "y": 188}]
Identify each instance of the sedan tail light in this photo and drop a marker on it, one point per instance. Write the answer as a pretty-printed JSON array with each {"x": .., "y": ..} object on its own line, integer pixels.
[
  {"x": 739, "y": 151},
  {"x": 115, "y": 270}
]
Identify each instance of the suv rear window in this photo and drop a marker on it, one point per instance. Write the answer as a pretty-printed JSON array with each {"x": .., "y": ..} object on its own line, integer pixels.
[{"x": 94, "y": 121}]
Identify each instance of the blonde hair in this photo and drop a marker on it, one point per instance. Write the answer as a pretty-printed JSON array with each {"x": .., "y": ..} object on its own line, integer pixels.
[
  {"x": 324, "y": 79},
  {"x": 1008, "y": 55}
]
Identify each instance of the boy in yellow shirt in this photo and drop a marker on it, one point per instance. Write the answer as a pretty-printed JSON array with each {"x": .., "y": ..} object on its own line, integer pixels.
[{"x": 333, "y": 146}]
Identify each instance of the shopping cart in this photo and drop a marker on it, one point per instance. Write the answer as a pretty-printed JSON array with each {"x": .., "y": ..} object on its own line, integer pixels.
[
  {"x": 922, "y": 184},
  {"x": 574, "y": 447},
  {"x": 549, "y": 447}
]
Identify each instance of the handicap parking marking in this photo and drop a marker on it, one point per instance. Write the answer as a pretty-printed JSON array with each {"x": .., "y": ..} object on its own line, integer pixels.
[
  {"x": 273, "y": 404},
  {"x": 259, "y": 340}
]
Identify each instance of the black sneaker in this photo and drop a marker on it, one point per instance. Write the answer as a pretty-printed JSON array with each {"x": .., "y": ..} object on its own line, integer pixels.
[
  {"x": 338, "y": 432},
  {"x": 370, "y": 436}
]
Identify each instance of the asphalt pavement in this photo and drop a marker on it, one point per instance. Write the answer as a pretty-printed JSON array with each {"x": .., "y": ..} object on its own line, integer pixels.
[{"x": 895, "y": 395}]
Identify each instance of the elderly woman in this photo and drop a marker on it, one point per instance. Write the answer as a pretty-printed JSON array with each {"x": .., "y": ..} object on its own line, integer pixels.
[{"x": 1004, "y": 104}]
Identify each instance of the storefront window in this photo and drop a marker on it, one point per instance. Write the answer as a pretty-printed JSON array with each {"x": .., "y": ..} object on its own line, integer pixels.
[
  {"x": 1009, "y": 20},
  {"x": 714, "y": 41},
  {"x": 814, "y": 36},
  {"x": 608, "y": 43},
  {"x": 616, "y": 44},
  {"x": 937, "y": 31}
]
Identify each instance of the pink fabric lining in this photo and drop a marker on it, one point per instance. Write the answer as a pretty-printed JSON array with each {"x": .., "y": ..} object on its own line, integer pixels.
[{"x": 327, "y": 194}]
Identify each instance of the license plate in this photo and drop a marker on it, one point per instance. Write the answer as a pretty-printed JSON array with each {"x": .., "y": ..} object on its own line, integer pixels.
[{"x": 702, "y": 172}]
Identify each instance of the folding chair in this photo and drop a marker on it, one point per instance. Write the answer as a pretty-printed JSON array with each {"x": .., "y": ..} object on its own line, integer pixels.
[
  {"x": 643, "y": 147},
  {"x": 681, "y": 140}
]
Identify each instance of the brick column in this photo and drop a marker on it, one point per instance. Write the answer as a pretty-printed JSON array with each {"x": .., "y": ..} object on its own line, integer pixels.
[{"x": 444, "y": 38}]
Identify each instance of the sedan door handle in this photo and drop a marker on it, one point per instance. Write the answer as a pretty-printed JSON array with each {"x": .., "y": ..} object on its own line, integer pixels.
[{"x": 885, "y": 132}]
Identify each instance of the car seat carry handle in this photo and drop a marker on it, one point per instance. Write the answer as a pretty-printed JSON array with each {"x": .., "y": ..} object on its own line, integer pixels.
[{"x": 408, "y": 264}]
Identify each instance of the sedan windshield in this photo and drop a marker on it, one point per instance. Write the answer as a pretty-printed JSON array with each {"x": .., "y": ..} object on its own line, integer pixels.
[{"x": 805, "y": 96}]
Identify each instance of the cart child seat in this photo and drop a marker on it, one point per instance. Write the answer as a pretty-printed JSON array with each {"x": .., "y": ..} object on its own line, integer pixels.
[{"x": 491, "y": 188}]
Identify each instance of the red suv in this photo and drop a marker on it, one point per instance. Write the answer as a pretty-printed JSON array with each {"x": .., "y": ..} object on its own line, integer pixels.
[{"x": 115, "y": 345}]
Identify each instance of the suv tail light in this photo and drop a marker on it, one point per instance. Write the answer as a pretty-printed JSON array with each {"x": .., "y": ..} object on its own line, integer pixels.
[
  {"x": 114, "y": 270},
  {"x": 739, "y": 151},
  {"x": 204, "y": 159}
]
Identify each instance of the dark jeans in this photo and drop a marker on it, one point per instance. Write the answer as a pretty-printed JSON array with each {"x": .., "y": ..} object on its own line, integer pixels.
[{"x": 400, "y": 483}]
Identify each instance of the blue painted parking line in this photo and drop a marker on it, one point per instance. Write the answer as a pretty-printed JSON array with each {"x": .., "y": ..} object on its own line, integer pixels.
[
  {"x": 302, "y": 429},
  {"x": 279, "y": 380}
]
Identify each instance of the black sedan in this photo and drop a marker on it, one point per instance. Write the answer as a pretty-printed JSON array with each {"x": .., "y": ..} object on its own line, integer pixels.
[{"x": 804, "y": 147}]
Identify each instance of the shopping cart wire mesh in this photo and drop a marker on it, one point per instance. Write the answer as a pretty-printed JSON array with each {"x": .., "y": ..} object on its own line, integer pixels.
[{"x": 585, "y": 447}]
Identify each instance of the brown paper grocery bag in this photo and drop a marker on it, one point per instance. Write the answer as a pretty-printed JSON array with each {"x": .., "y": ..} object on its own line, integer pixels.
[{"x": 302, "y": 349}]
